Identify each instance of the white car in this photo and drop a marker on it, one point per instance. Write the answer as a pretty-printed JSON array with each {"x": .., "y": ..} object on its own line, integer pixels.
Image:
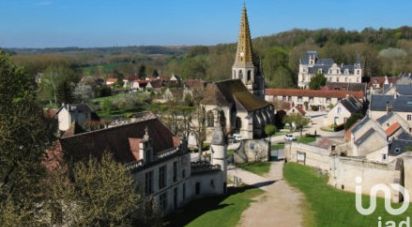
[
  {"x": 237, "y": 137},
  {"x": 290, "y": 138}
]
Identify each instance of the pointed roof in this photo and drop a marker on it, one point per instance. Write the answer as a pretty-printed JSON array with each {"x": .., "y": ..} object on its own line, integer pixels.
[{"x": 244, "y": 54}]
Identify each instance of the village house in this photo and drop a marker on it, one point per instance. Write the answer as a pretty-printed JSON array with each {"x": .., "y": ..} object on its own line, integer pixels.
[
  {"x": 380, "y": 105},
  {"x": 310, "y": 64},
  {"x": 311, "y": 100},
  {"x": 241, "y": 99},
  {"x": 159, "y": 161},
  {"x": 75, "y": 117},
  {"x": 340, "y": 113}
]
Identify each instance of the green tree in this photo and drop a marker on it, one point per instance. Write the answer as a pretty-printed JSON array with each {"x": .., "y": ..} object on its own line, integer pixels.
[
  {"x": 318, "y": 81},
  {"x": 297, "y": 121},
  {"x": 57, "y": 84},
  {"x": 24, "y": 136},
  {"x": 275, "y": 67},
  {"x": 101, "y": 193},
  {"x": 270, "y": 131},
  {"x": 352, "y": 120},
  {"x": 142, "y": 72}
]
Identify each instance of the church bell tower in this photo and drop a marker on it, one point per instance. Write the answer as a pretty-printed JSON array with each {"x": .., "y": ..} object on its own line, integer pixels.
[{"x": 244, "y": 68}]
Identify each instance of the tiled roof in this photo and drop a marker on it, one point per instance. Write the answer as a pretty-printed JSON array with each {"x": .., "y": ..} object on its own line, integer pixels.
[
  {"x": 196, "y": 84},
  {"x": 392, "y": 129},
  {"x": 345, "y": 86},
  {"x": 313, "y": 93},
  {"x": 116, "y": 140}
]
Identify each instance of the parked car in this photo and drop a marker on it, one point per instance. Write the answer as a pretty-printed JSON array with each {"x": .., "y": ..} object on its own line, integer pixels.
[
  {"x": 290, "y": 138},
  {"x": 237, "y": 137}
]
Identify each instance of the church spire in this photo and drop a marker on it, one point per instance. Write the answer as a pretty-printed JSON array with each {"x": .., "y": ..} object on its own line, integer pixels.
[{"x": 244, "y": 55}]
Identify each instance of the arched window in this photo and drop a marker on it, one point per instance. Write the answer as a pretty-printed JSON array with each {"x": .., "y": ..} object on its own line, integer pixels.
[
  {"x": 210, "y": 119},
  {"x": 249, "y": 75},
  {"x": 240, "y": 74},
  {"x": 222, "y": 119}
]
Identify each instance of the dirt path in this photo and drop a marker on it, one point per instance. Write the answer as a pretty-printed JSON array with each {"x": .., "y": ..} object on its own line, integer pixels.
[{"x": 280, "y": 206}]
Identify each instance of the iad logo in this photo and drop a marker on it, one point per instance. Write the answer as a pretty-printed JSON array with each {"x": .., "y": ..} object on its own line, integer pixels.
[{"x": 373, "y": 194}]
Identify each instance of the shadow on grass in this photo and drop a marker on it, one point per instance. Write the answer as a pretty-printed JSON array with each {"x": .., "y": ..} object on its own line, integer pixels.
[{"x": 198, "y": 207}]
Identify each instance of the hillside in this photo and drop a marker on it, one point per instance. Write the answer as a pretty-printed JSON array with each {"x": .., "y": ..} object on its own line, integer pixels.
[{"x": 383, "y": 52}]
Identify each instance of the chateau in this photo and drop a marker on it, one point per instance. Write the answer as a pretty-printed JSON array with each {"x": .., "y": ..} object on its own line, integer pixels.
[
  {"x": 240, "y": 101},
  {"x": 311, "y": 64}
]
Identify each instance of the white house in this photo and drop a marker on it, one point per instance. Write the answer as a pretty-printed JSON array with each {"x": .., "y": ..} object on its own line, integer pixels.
[
  {"x": 339, "y": 114},
  {"x": 310, "y": 64}
]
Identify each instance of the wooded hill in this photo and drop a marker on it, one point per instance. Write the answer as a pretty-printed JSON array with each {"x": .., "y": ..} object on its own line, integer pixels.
[{"x": 382, "y": 51}]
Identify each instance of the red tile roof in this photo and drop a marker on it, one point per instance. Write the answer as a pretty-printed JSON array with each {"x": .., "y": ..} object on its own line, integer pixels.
[
  {"x": 392, "y": 129},
  {"x": 313, "y": 93}
]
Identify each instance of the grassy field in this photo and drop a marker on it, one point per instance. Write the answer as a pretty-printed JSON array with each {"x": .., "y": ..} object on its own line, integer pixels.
[
  {"x": 306, "y": 139},
  {"x": 215, "y": 211},
  {"x": 259, "y": 168},
  {"x": 327, "y": 206},
  {"x": 278, "y": 146}
]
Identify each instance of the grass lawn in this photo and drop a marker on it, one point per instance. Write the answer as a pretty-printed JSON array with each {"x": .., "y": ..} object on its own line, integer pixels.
[
  {"x": 306, "y": 139},
  {"x": 259, "y": 168},
  {"x": 215, "y": 211},
  {"x": 327, "y": 206},
  {"x": 278, "y": 146}
]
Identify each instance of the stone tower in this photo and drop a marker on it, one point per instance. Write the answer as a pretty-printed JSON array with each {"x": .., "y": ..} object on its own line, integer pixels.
[
  {"x": 219, "y": 147},
  {"x": 244, "y": 68}
]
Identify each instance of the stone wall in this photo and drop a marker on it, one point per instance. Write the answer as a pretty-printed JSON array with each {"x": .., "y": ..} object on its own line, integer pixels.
[
  {"x": 308, "y": 155},
  {"x": 252, "y": 151}
]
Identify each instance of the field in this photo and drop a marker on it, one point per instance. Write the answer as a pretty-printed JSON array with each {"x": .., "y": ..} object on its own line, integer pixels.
[
  {"x": 215, "y": 211},
  {"x": 327, "y": 206},
  {"x": 259, "y": 168}
]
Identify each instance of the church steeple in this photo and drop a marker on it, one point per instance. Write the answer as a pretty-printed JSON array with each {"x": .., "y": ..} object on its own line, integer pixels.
[
  {"x": 243, "y": 69},
  {"x": 244, "y": 54}
]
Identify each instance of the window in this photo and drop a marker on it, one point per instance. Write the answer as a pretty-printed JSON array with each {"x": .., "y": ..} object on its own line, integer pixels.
[
  {"x": 409, "y": 117},
  {"x": 240, "y": 75},
  {"x": 384, "y": 156},
  {"x": 397, "y": 150},
  {"x": 174, "y": 171},
  {"x": 210, "y": 119},
  {"x": 338, "y": 110},
  {"x": 163, "y": 201},
  {"x": 197, "y": 189},
  {"x": 212, "y": 183},
  {"x": 249, "y": 75},
  {"x": 149, "y": 182},
  {"x": 175, "y": 191},
  {"x": 162, "y": 177},
  {"x": 184, "y": 191},
  {"x": 183, "y": 173}
]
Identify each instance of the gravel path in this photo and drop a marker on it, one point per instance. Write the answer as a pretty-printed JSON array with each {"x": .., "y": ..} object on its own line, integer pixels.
[{"x": 280, "y": 206}]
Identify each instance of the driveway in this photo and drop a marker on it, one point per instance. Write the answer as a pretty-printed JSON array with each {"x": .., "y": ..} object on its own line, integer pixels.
[{"x": 280, "y": 205}]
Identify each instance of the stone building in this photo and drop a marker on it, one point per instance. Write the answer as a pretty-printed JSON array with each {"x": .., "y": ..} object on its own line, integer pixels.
[
  {"x": 159, "y": 161},
  {"x": 310, "y": 64},
  {"x": 241, "y": 99}
]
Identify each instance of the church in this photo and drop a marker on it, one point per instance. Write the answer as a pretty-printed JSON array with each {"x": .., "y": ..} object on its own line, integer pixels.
[{"x": 240, "y": 100}]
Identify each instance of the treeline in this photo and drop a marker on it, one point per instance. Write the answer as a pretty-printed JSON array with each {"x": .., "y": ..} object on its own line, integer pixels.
[{"x": 382, "y": 52}]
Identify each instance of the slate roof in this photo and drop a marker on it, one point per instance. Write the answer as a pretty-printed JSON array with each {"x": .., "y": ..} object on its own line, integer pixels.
[
  {"x": 398, "y": 146},
  {"x": 323, "y": 63},
  {"x": 351, "y": 104},
  {"x": 398, "y": 104},
  {"x": 365, "y": 136},
  {"x": 229, "y": 92},
  {"x": 116, "y": 140},
  {"x": 359, "y": 124},
  {"x": 404, "y": 89},
  {"x": 385, "y": 118}
]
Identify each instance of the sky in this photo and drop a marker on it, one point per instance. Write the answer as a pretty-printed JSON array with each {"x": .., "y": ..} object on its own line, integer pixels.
[{"x": 103, "y": 23}]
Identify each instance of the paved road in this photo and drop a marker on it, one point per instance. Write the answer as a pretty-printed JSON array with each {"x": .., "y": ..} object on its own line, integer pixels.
[{"x": 280, "y": 205}]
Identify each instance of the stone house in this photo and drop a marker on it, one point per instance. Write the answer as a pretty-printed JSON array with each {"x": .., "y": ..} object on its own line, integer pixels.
[{"x": 159, "y": 161}]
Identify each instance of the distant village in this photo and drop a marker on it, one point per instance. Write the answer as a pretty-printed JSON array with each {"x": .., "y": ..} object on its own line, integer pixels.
[{"x": 183, "y": 145}]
